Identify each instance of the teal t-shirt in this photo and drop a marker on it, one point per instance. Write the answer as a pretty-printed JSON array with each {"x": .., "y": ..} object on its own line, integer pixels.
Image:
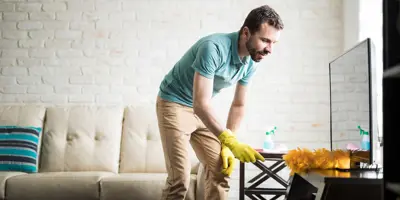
[{"x": 214, "y": 56}]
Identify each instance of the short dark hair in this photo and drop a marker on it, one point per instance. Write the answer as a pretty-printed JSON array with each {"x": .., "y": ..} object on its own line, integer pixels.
[{"x": 260, "y": 15}]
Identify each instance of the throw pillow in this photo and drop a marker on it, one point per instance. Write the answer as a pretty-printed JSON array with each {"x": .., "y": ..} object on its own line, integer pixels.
[{"x": 19, "y": 148}]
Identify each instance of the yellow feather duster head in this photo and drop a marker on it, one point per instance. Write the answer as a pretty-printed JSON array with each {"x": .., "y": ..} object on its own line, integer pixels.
[{"x": 300, "y": 160}]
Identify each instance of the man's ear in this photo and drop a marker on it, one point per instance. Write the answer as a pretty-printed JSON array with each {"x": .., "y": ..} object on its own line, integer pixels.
[{"x": 246, "y": 32}]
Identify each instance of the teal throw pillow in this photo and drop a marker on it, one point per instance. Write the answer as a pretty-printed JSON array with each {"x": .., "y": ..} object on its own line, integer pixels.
[{"x": 19, "y": 148}]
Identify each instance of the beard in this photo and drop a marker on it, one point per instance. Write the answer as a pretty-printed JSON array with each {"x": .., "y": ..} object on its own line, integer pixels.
[{"x": 256, "y": 55}]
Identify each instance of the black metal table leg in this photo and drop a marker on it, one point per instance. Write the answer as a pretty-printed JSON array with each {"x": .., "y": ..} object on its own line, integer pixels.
[
  {"x": 241, "y": 181},
  {"x": 256, "y": 192}
]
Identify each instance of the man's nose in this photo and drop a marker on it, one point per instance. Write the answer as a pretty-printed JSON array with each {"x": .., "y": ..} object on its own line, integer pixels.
[{"x": 268, "y": 48}]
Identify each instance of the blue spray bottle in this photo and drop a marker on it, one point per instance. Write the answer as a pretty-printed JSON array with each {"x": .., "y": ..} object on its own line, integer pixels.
[
  {"x": 365, "y": 143},
  {"x": 268, "y": 142}
]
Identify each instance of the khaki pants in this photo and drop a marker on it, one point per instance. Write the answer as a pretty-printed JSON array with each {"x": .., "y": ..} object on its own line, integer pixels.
[{"x": 179, "y": 126}]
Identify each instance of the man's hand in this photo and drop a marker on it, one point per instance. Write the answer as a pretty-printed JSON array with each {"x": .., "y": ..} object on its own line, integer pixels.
[
  {"x": 228, "y": 160},
  {"x": 241, "y": 151}
]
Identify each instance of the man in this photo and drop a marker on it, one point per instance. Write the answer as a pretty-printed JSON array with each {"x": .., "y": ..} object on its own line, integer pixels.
[{"x": 184, "y": 111}]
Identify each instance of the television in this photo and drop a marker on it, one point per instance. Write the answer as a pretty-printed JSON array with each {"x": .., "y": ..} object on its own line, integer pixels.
[{"x": 353, "y": 102}]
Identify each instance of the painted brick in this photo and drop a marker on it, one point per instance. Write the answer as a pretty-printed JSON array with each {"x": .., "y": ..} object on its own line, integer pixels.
[
  {"x": 107, "y": 6},
  {"x": 95, "y": 70},
  {"x": 14, "y": 53},
  {"x": 80, "y": 25},
  {"x": 7, "y": 62},
  {"x": 108, "y": 80},
  {"x": 109, "y": 99},
  {"x": 58, "y": 44},
  {"x": 68, "y": 89},
  {"x": 42, "y": 53},
  {"x": 95, "y": 15},
  {"x": 54, "y": 7},
  {"x": 6, "y": 25},
  {"x": 15, "y": 89},
  {"x": 42, "y": 89},
  {"x": 69, "y": 16},
  {"x": 14, "y": 71},
  {"x": 95, "y": 89},
  {"x": 29, "y": 62},
  {"x": 108, "y": 24},
  {"x": 29, "y": 80},
  {"x": 81, "y": 80},
  {"x": 14, "y": 16},
  {"x": 8, "y": 44},
  {"x": 55, "y": 80},
  {"x": 68, "y": 34},
  {"x": 42, "y": 16},
  {"x": 7, "y": 80},
  {"x": 54, "y": 99},
  {"x": 47, "y": 35},
  {"x": 7, "y": 7},
  {"x": 30, "y": 43},
  {"x": 69, "y": 53},
  {"x": 77, "y": 5},
  {"x": 55, "y": 25},
  {"x": 30, "y": 25},
  {"x": 25, "y": 98},
  {"x": 81, "y": 98},
  {"x": 28, "y": 7},
  {"x": 8, "y": 98}
]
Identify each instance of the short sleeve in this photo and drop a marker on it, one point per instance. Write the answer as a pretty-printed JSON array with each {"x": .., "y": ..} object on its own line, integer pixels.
[
  {"x": 247, "y": 77},
  {"x": 207, "y": 59}
]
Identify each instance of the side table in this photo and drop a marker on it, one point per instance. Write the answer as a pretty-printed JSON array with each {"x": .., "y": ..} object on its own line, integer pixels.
[{"x": 254, "y": 191}]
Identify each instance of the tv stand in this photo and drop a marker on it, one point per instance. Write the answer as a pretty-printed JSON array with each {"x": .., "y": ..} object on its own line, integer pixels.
[
  {"x": 374, "y": 167},
  {"x": 333, "y": 184},
  {"x": 360, "y": 169}
]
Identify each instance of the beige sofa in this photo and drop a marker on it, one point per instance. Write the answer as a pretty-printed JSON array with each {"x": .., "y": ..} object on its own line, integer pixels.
[{"x": 92, "y": 152}]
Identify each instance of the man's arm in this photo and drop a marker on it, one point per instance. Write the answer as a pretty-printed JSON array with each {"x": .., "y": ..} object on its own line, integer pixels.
[
  {"x": 237, "y": 109},
  {"x": 202, "y": 92}
]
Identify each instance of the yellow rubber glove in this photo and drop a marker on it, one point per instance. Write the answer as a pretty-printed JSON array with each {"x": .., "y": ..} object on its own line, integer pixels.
[
  {"x": 241, "y": 151},
  {"x": 228, "y": 160}
]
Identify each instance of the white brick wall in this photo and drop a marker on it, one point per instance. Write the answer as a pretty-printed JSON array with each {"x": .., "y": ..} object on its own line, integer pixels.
[{"x": 106, "y": 52}]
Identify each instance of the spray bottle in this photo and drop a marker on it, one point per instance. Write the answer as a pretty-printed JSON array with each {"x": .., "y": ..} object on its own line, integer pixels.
[
  {"x": 365, "y": 143},
  {"x": 268, "y": 142}
]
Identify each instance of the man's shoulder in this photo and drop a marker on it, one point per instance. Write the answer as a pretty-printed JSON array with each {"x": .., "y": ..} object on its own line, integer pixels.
[
  {"x": 218, "y": 37},
  {"x": 221, "y": 40}
]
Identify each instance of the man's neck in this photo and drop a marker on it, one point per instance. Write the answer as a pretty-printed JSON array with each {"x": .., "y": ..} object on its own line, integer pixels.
[{"x": 242, "y": 50}]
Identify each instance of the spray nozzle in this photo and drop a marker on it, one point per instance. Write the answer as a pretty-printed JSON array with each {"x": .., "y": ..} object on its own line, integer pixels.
[
  {"x": 362, "y": 132},
  {"x": 272, "y": 131}
]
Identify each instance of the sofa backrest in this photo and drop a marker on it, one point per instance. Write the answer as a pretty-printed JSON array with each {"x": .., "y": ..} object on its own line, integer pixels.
[
  {"x": 94, "y": 138},
  {"x": 141, "y": 148},
  {"x": 22, "y": 115},
  {"x": 82, "y": 138}
]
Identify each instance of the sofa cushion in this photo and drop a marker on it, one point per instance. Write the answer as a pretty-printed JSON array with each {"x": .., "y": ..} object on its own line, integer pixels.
[
  {"x": 19, "y": 148},
  {"x": 23, "y": 115},
  {"x": 141, "y": 148},
  {"x": 55, "y": 185},
  {"x": 3, "y": 178},
  {"x": 82, "y": 138},
  {"x": 143, "y": 186}
]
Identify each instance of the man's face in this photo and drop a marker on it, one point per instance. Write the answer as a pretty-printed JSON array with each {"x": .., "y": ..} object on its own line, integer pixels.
[{"x": 261, "y": 42}]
